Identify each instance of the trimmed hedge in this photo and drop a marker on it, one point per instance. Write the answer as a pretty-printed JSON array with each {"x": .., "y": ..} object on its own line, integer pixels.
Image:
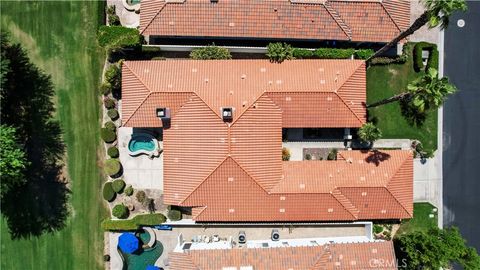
[
  {"x": 134, "y": 223},
  {"x": 109, "y": 103},
  {"x": 363, "y": 53},
  {"x": 210, "y": 53},
  {"x": 108, "y": 193},
  {"x": 432, "y": 61},
  {"x": 118, "y": 37},
  {"x": 113, "y": 167},
  {"x": 105, "y": 88},
  {"x": 113, "y": 114},
  {"x": 110, "y": 125},
  {"x": 113, "y": 152},
  {"x": 113, "y": 75},
  {"x": 108, "y": 135},
  {"x": 401, "y": 59},
  {"x": 174, "y": 215},
  {"x": 118, "y": 186},
  {"x": 120, "y": 211},
  {"x": 141, "y": 196},
  {"x": 279, "y": 52},
  {"x": 128, "y": 190}
]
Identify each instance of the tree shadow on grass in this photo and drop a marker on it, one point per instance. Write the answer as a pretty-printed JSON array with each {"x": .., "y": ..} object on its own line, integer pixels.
[{"x": 41, "y": 204}]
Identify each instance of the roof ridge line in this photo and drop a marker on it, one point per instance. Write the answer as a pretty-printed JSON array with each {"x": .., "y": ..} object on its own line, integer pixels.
[
  {"x": 212, "y": 109},
  {"x": 137, "y": 76},
  {"x": 336, "y": 190},
  {"x": 394, "y": 174},
  {"x": 254, "y": 101},
  {"x": 249, "y": 175},
  {"x": 390, "y": 16},
  {"x": 395, "y": 198},
  {"x": 341, "y": 23},
  {"x": 341, "y": 98},
  {"x": 138, "y": 108},
  {"x": 154, "y": 16}
]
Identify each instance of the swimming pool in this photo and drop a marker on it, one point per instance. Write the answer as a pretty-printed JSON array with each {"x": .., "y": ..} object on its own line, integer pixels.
[{"x": 142, "y": 143}]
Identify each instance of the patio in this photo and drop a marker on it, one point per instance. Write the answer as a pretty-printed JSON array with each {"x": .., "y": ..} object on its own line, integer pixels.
[{"x": 142, "y": 172}]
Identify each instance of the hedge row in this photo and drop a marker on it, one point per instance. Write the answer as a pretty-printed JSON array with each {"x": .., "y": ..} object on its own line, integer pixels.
[
  {"x": 117, "y": 37},
  {"x": 134, "y": 223},
  {"x": 401, "y": 59},
  {"x": 432, "y": 61}
]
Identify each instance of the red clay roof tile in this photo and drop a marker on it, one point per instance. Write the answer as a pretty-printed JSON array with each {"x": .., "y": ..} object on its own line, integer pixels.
[{"x": 371, "y": 21}]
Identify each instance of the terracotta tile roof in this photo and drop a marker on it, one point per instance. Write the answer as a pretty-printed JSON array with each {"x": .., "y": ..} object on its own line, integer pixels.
[
  {"x": 233, "y": 171},
  {"x": 372, "y": 255},
  {"x": 319, "y": 85},
  {"x": 357, "y": 187},
  {"x": 371, "y": 21}
]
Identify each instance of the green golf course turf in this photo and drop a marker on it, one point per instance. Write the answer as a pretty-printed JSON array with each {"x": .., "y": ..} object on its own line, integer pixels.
[{"x": 60, "y": 37}]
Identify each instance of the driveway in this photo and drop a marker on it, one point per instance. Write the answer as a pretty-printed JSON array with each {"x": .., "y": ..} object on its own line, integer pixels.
[{"x": 461, "y": 157}]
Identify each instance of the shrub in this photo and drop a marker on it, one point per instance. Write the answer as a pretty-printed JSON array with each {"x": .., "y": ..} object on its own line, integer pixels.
[
  {"x": 333, "y": 154},
  {"x": 369, "y": 133},
  {"x": 141, "y": 196},
  {"x": 329, "y": 53},
  {"x": 363, "y": 53},
  {"x": 134, "y": 223},
  {"x": 432, "y": 57},
  {"x": 113, "y": 75},
  {"x": 108, "y": 193},
  {"x": 279, "y": 52},
  {"x": 174, "y": 215},
  {"x": 113, "y": 114},
  {"x": 308, "y": 157},
  {"x": 109, "y": 103},
  {"x": 377, "y": 229},
  {"x": 210, "y": 53},
  {"x": 113, "y": 18},
  {"x": 302, "y": 53},
  {"x": 108, "y": 135},
  {"x": 401, "y": 59},
  {"x": 110, "y": 125},
  {"x": 105, "y": 89},
  {"x": 120, "y": 211},
  {"x": 118, "y": 186},
  {"x": 285, "y": 154},
  {"x": 113, "y": 152},
  {"x": 106, "y": 258},
  {"x": 113, "y": 167},
  {"x": 118, "y": 37},
  {"x": 129, "y": 190}
]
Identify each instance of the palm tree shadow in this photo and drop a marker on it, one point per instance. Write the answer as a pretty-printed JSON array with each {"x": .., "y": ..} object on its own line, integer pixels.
[
  {"x": 376, "y": 156},
  {"x": 40, "y": 205}
]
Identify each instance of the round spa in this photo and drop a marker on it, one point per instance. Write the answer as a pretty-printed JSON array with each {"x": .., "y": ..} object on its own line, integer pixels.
[{"x": 143, "y": 143}]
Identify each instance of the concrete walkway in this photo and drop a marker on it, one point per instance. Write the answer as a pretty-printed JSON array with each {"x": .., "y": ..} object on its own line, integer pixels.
[
  {"x": 427, "y": 181},
  {"x": 127, "y": 18},
  {"x": 116, "y": 261}
]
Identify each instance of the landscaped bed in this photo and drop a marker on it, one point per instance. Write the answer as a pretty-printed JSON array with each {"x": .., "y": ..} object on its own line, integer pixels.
[{"x": 384, "y": 81}]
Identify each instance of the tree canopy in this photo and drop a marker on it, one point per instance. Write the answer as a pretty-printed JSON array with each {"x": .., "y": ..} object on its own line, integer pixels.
[
  {"x": 369, "y": 133},
  {"x": 27, "y": 106},
  {"x": 435, "y": 249}
]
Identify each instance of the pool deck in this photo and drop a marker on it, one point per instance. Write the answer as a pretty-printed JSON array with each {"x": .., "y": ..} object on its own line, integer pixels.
[{"x": 140, "y": 171}]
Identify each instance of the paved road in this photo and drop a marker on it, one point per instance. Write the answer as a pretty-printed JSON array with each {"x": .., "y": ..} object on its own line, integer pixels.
[{"x": 461, "y": 126}]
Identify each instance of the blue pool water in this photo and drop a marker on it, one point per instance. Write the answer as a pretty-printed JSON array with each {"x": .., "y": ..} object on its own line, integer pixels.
[{"x": 141, "y": 143}]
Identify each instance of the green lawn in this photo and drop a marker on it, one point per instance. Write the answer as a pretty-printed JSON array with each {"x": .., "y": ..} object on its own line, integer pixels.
[
  {"x": 389, "y": 80},
  {"x": 421, "y": 220},
  {"x": 60, "y": 38}
]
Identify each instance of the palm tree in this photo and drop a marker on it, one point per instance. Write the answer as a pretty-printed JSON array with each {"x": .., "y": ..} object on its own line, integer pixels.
[
  {"x": 369, "y": 133},
  {"x": 425, "y": 93},
  {"x": 437, "y": 13}
]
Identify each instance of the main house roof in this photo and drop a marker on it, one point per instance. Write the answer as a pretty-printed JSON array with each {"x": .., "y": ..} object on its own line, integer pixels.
[
  {"x": 233, "y": 171},
  {"x": 333, "y": 92},
  {"x": 343, "y": 20},
  {"x": 372, "y": 255}
]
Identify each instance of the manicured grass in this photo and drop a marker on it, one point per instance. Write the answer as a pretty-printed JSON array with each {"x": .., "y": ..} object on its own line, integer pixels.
[
  {"x": 389, "y": 80},
  {"x": 61, "y": 39},
  {"x": 421, "y": 220}
]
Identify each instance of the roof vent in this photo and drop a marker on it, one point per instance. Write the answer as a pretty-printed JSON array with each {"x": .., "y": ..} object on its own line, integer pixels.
[
  {"x": 242, "y": 237},
  {"x": 227, "y": 114},
  {"x": 275, "y": 235},
  {"x": 164, "y": 115}
]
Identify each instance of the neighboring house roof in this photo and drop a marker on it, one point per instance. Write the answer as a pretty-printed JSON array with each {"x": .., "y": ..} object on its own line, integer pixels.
[
  {"x": 333, "y": 92},
  {"x": 360, "y": 20},
  {"x": 371, "y": 255},
  {"x": 234, "y": 171}
]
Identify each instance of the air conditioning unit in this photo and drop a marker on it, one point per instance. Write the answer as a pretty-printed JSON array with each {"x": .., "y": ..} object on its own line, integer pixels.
[
  {"x": 242, "y": 237},
  {"x": 275, "y": 235},
  {"x": 227, "y": 114}
]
